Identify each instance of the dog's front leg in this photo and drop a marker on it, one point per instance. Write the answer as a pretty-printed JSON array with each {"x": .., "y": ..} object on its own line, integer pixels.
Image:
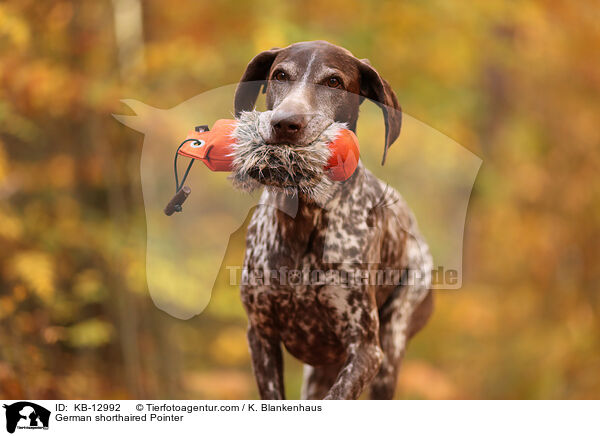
[
  {"x": 361, "y": 366},
  {"x": 267, "y": 362}
]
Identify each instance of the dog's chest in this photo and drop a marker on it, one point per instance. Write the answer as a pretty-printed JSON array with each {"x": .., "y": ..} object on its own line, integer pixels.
[
  {"x": 308, "y": 329},
  {"x": 285, "y": 290}
]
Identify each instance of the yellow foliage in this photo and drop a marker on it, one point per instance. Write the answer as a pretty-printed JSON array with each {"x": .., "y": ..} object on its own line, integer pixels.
[
  {"x": 90, "y": 333},
  {"x": 13, "y": 27},
  {"x": 11, "y": 227},
  {"x": 230, "y": 347},
  {"x": 88, "y": 286},
  {"x": 36, "y": 270}
]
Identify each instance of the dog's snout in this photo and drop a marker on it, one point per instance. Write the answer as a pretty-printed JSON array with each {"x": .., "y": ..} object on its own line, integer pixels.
[{"x": 288, "y": 126}]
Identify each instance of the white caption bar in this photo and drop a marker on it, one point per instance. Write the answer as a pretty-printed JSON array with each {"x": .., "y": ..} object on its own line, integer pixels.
[{"x": 305, "y": 418}]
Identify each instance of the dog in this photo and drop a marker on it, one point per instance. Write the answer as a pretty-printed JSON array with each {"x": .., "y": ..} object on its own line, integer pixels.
[{"x": 350, "y": 331}]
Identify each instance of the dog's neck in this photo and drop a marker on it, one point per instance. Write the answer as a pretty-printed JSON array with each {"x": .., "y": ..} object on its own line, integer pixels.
[{"x": 299, "y": 215}]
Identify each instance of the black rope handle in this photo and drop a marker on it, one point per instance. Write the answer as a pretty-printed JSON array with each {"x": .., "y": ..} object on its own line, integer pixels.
[
  {"x": 187, "y": 171},
  {"x": 181, "y": 191}
]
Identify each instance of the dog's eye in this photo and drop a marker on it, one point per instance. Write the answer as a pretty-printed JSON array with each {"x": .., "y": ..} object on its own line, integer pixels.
[
  {"x": 280, "y": 75},
  {"x": 334, "y": 82}
]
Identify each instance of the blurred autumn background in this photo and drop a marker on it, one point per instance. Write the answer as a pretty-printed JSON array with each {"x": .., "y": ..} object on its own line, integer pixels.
[{"x": 516, "y": 83}]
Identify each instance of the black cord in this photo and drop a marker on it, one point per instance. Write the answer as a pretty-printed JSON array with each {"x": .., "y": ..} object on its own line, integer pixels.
[{"x": 187, "y": 171}]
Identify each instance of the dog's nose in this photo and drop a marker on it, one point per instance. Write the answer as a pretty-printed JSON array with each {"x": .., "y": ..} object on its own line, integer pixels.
[{"x": 288, "y": 126}]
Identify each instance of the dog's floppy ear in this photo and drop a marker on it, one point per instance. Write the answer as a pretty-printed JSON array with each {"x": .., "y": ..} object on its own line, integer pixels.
[
  {"x": 374, "y": 87},
  {"x": 254, "y": 77}
]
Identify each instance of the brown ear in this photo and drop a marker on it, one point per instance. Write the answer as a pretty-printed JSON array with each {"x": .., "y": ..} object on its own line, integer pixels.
[
  {"x": 374, "y": 87},
  {"x": 254, "y": 77}
]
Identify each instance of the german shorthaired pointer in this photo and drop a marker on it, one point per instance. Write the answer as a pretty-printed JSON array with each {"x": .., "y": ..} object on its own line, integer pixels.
[{"x": 350, "y": 329}]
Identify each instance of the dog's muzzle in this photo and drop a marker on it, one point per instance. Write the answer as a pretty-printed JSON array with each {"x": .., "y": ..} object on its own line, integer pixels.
[{"x": 307, "y": 169}]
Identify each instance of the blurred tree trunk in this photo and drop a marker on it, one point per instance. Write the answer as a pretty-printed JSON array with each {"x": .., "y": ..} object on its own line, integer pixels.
[{"x": 128, "y": 20}]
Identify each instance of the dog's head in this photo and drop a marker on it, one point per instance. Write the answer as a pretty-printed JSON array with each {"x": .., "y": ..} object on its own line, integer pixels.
[{"x": 310, "y": 86}]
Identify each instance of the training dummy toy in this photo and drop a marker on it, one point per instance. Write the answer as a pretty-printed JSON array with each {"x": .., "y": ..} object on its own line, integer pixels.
[{"x": 236, "y": 146}]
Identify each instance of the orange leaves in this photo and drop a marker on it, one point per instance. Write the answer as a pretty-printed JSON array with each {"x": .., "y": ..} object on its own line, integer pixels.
[
  {"x": 222, "y": 384},
  {"x": 421, "y": 379}
]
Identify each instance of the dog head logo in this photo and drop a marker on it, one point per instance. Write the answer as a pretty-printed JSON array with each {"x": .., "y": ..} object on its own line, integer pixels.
[
  {"x": 189, "y": 254},
  {"x": 26, "y": 415}
]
